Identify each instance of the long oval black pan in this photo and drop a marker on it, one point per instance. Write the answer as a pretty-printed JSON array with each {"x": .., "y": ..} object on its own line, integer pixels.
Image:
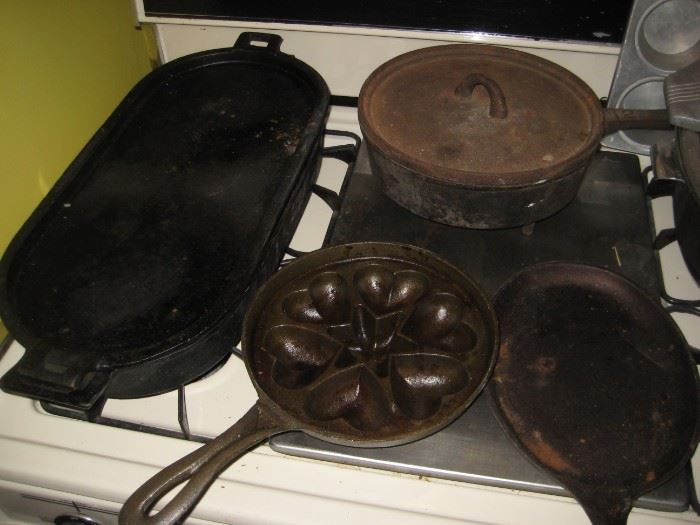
[{"x": 133, "y": 274}]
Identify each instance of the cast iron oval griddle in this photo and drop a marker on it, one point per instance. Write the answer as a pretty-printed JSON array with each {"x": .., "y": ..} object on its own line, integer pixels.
[
  {"x": 133, "y": 274},
  {"x": 595, "y": 384},
  {"x": 359, "y": 344}
]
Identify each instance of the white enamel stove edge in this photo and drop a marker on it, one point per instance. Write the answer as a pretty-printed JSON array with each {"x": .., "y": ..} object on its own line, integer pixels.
[{"x": 51, "y": 465}]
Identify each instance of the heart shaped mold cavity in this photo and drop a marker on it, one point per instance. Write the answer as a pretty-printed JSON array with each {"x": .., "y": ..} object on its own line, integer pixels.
[
  {"x": 434, "y": 317},
  {"x": 420, "y": 381},
  {"x": 384, "y": 290},
  {"x": 301, "y": 354},
  {"x": 409, "y": 286},
  {"x": 326, "y": 301},
  {"x": 374, "y": 284},
  {"x": 354, "y": 395},
  {"x": 462, "y": 339},
  {"x": 329, "y": 294},
  {"x": 298, "y": 307}
]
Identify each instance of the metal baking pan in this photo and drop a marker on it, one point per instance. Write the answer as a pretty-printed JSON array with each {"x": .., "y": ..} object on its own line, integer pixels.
[{"x": 133, "y": 274}]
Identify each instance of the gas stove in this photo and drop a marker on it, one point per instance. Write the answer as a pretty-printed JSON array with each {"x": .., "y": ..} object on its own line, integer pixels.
[{"x": 56, "y": 462}]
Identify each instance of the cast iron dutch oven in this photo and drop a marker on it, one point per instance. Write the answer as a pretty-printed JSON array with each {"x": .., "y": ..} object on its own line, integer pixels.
[{"x": 484, "y": 137}]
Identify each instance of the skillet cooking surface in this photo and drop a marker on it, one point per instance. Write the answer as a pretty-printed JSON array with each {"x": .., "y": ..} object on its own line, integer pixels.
[{"x": 594, "y": 382}]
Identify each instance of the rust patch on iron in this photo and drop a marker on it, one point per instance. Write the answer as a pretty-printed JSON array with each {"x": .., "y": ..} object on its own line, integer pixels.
[
  {"x": 533, "y": 441},
  {"x": 543, "y": 367},
  {"x": 547, "y": 454},
  {"x": 500, "y": 375},
  {"x": 504, "y": 356},
  {"x": 513, "y": 418}
]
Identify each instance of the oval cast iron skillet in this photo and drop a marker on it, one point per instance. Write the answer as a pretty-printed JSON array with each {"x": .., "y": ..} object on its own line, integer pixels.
[
  {"x": 594, "y": 383},
  {"x": 361, "y": 344}
]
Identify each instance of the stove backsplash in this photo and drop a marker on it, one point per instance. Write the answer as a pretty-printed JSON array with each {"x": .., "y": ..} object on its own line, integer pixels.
[{"x": 346, "y": 56}]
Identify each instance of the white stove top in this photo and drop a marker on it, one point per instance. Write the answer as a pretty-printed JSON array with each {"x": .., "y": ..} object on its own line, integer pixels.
[{"x": 51, "y": 465}]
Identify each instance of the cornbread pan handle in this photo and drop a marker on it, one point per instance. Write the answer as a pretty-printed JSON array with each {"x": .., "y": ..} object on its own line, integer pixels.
[{"x": 200, "y": 469}]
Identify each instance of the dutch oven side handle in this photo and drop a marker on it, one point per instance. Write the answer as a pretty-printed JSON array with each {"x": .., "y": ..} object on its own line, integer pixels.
[
  {"x": 497, "y": 107},
  {"x": 59, "y": 377},
  {"x": 246, "y": 41},
  {"x": 666, "y": 174}
]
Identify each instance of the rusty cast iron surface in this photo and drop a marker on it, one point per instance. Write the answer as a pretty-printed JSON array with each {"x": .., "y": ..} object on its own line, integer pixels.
[
  {"x": 371, "y": 342},
  {"x": 480, "y": 116},
  {"x": 484, "y": 137},
  {"x": 594, "y": 383}
]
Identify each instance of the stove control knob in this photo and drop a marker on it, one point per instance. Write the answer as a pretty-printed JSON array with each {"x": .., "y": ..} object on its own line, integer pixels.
[{"x": 66, "y": 519}]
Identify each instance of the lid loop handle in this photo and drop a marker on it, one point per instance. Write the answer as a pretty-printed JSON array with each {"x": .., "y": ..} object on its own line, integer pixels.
[{"x": 497, "y": 107}]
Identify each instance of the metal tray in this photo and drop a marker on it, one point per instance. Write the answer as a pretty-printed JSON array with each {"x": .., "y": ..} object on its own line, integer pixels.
[{"x": 607, "y": 224}]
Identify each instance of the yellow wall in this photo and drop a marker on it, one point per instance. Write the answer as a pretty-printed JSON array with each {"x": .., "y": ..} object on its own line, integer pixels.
[{"x": 64, "y": 66}]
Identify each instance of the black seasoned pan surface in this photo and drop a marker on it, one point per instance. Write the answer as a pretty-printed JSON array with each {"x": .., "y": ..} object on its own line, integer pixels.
[
  {"x": 132, "y": 275},
  {"x": 595, "y": 383}
]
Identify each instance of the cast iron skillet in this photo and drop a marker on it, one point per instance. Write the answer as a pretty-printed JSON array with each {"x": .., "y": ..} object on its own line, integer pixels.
[
  {"x": 364, "y": 345},
  {"x": 594, "y": 383}
]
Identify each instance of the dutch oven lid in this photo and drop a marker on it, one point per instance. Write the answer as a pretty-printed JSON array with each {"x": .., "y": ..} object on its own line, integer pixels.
[{"x": 480, "y": 115}]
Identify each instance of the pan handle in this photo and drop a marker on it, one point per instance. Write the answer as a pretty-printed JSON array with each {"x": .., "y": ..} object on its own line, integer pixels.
[
  {"x": 497, "y": 107},
  {"x": 667, "y": 175},
  {"x": 247, "y": 38},
  {"x": 603, "y": 507},
  {"x": 58, "y": 377},
  {"x": 617, "y": 119},
  {"x": 201, "y": 468}
]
